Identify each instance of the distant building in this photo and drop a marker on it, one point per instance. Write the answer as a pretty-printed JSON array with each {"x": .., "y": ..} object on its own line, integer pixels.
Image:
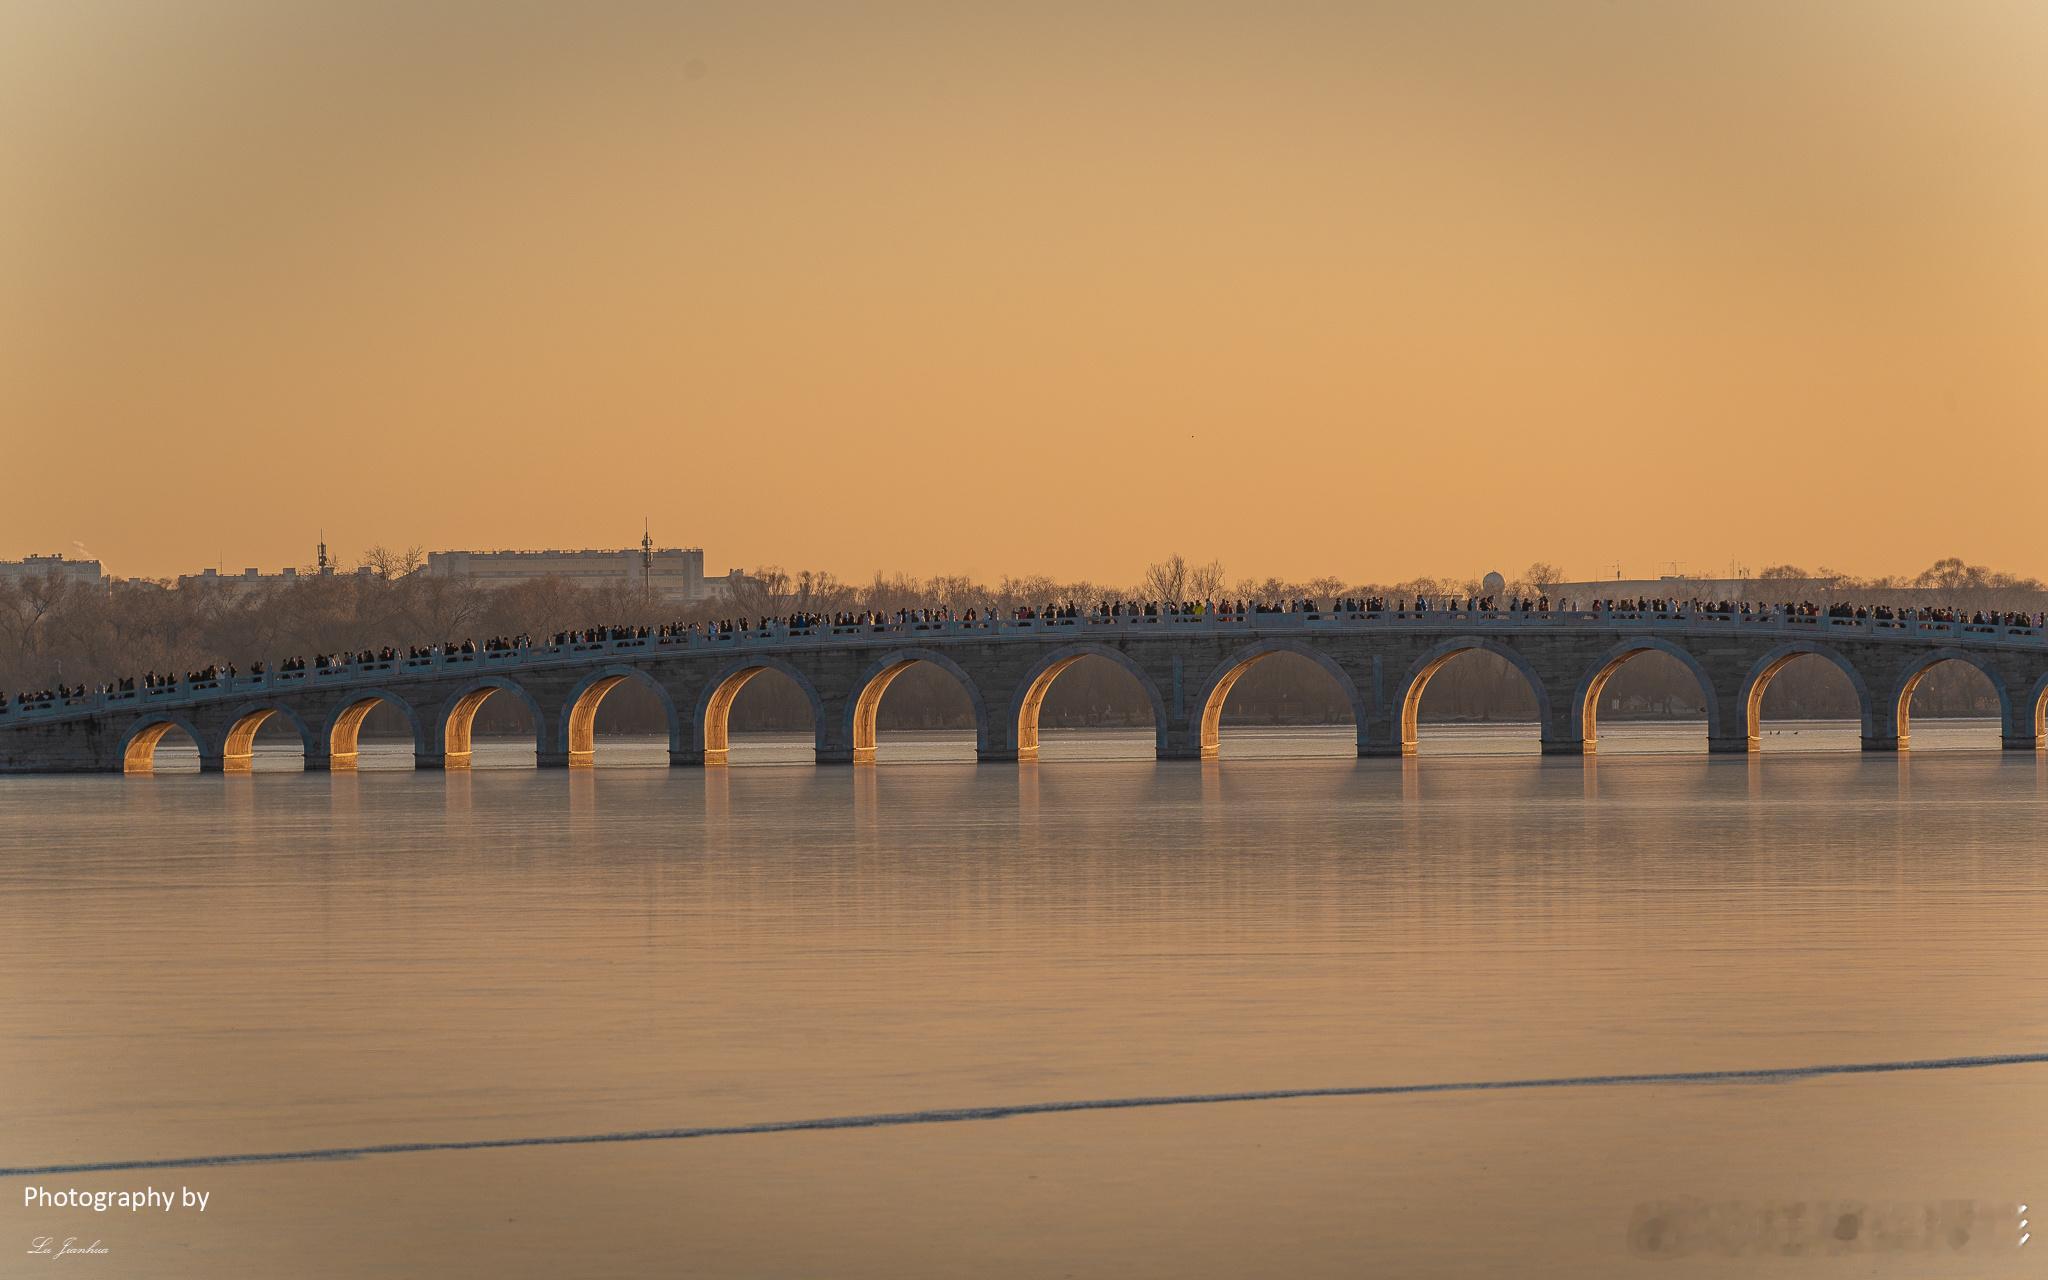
[
  {"x": 1686, "y": 587},
  {"x": 254, "y": 579},
  {"x": 671, "y": 574},
  {"x": 1793, "y": 591},
  {"x": 85, "y": 572}
]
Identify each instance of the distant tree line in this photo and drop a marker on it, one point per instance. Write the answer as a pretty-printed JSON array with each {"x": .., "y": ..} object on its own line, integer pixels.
[{"x": 57, "y": 631}]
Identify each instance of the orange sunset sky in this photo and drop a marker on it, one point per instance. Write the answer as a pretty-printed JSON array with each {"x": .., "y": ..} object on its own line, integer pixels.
[{"x": 1371, "y": 290}]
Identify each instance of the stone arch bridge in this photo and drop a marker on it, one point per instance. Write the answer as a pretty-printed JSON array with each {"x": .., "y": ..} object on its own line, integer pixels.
[{"x": 1186, "y": 664}]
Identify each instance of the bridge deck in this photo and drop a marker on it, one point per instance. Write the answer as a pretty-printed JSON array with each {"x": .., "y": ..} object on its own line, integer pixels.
[{"x": 778, "y": 637}]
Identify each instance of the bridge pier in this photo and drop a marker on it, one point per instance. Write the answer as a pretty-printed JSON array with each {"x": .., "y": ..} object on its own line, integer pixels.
[
  {"x": 2028, "y": 742},
  {"x": 694, "y": 758},
  {"x": 1731, "y": 746},
  {"x": 552, "y": 759},
  {"x": 1884, "y": 742},
  {"x": 1002, "y": 755},
  {"x": 1566, "y": 747}
]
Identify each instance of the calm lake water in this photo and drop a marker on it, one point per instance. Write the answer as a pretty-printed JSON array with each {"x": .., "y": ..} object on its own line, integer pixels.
[{"x": 196, "y": 966}]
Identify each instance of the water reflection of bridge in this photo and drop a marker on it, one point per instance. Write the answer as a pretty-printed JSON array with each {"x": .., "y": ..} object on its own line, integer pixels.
[{"x": 1185, "y": 665}]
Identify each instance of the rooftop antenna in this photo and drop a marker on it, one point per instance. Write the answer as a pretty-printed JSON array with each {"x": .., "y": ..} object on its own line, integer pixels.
[
  {"x": 323, "y": 552},
  {"x": 646, "y": 560}
]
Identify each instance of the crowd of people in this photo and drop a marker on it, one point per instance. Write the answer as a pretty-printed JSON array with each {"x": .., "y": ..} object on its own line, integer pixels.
[
  {"x": 126, "y": 684},
  {"x": 802, "y": 623},
  {"x": 1978, "y": 618},
  {"x": 600, "y": 635},
  {"x": 493, "y": 644},
  {"x": 322, "y": 661},
  {"x": 61, "y": 693},
  {"x": 170, "y": 679}
]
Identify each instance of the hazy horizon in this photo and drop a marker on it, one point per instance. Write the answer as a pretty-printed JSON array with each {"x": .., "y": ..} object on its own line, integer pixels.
[{"x": 1513, "y": 568}]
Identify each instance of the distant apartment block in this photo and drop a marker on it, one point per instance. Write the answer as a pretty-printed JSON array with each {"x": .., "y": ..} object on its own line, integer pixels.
[
  {"x": 671, "y": 574},
  {"x": 1783, "y": 591},
  {"x": 1686, "y": 587},
  {"x": 255, "y": 579},
  {"x": 84, "y": 572}
]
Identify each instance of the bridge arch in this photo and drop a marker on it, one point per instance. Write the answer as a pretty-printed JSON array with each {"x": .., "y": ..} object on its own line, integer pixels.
[
  {"x": 2036, "y": 712},
  {"x": 1408, "y": 697},
  {"x": 457, "y": 721},
  {"x": 578, "y": 732},
  {"x": 1205, "y": 719},
  {"x": 344, "y": 727},
  {"x": 1586, "y": 699},
  {"x": 710, "y": 731},
  {"x": 875, "y": 681},
  {"x": 1767, "y": 668},
  {"x": 1902, "y": 703},
  {"x": 138, "y": 745},
  {"x": 1038, "y": 681},
  {"x": 238, "y": 747}
]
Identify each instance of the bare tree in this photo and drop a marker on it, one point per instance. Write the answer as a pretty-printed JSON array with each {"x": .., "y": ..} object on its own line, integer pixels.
[
  {"x": 1165, "y": 580},
  {"x": 445, "y": 607},
  {"x": 759, "y": 593},
  {"x": 956, "y": 590},
  {"x": 26, "y": 603},
  {"x": 387, "y": 564},
  {"x": 1543, "y": 575},
  {"x": 816, "y": 591},
  {"x": 1012, "y": 593},
  {"x": 1175, "y": 579}
]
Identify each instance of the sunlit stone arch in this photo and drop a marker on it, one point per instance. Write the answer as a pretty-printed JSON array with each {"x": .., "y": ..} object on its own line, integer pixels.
[
  {"x": 1205, "y": 716},
  {"x": 2032, "y": 718},
  {"x": 710, "y": 726},
  {"x": 1766, "y": 669},
  {"x": 1909, "y": 680},
  {"x": 866, "y": 701},
  {"x": 1038, "y": 681},
  {"x": 1586, "y": 699},
  {"x": 456, "y": 723},
  {"x": 577, "y": 737},
  {"x": 344, "y": 727},
  {"x": 1407, "y": 699},
  {"x": 238, "y": 746},
  {"x": 138, "y": 744}
]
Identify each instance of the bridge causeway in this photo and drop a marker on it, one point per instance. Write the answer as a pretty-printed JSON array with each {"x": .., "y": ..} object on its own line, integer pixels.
[{"x": 1185, "y": 663}]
